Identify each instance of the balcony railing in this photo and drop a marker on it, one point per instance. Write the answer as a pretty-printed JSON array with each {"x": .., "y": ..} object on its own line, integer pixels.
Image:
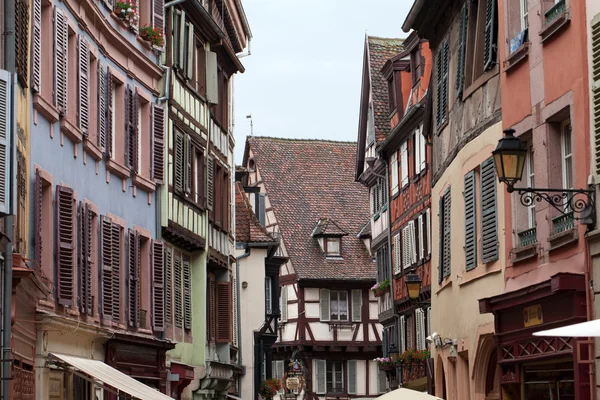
[
  {"x": 556, "y": 10},
  {"x": 413, "y": 371},
  {"x": 563, "y": 223},
  {"x": 527, "y": 237}
]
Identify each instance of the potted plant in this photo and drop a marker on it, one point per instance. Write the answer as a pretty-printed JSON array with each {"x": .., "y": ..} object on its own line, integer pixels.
[
  {"x": 385, "y": 364},
  {"x": 379, "y": 289},
  {"x": 152, "y": 35},
  {"x": 414, "y": 356},
  {"x": 127, "y": 11},
  {"x": 269, "y": 388}
]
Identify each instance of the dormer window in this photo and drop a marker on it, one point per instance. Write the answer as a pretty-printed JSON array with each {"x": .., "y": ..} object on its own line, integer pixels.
[{"x": 333, "y": 246}]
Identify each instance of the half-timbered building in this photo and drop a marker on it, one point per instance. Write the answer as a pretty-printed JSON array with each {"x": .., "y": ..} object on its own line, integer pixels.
[
  {"x": 407, "y": 155},
  {"x": 202, "y": 40},
  {"x": 370, "y": 169},
  {"x": 328, "y": 321}
]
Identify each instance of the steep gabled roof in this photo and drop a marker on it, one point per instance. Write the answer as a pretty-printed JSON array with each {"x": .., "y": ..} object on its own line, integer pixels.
[
  {"x": 306, "y": 180},
  {"x": 327, "y": 227},
  {"x": 247, "y": 228}
]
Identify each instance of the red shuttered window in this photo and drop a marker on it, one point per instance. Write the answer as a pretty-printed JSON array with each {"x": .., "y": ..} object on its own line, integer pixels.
[
  {"x": 135, "y": 260},
  {"x": 65, "y": 252},
  {"x": 168, "y": 286},
  {"x": 83, "y": 117},
  {"x": 110, "y": 275},
  {"x": 158, "y": 286},
  {"x": 85, "y": 259},
  {"x": 158, "y": 143},
  {"x": 61, "y": 34},
  {"x": 223, "y": 312}
]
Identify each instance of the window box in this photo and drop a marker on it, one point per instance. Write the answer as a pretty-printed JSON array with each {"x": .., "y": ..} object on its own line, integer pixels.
[
  {"x": 555, "y": 18},
  {"x": 379, "y": 289},
  {"x": 515, "y": 58},
  {"x": 563, "y": 223},
  {"x": 527, "y": 237},
  {"x": 564, "y": 231}
]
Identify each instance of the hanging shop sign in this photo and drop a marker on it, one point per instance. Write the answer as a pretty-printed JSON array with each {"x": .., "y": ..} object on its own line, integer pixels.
[{"x": 533, "y": 315}]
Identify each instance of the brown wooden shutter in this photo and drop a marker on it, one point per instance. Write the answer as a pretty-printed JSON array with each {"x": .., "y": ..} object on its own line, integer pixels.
[
  {"x": 109, "y": 112},
  {"x": 158, "y": 286},
  {"x": 135, "y": 131},
  {"x": 128, "y": 127},
  {"x": 158, "y": 14},
  {"x": 36, "y": 46},
  {"x": 470, "y": 221},
  {"x": 189, "y": 157},
  {"x": 134, "y": 279},
  {"x": 38, "y": 220},
  {"x": 224, "y": 312},
  {"x": 595, "y": 84},
  {"x": 177, "y": 272},
  {"x": 227, "y": 203},
  {"x": 65, "y": 236},
  {"x": 158, "y": 143},
  {"x": 22, "y": 40},
  {"x": 84, "y": 86},
  {"x": 61, "y": 34},
  {"x": 187, "y": 293},
  {"x": 116, "y": 272},
  {"x": 179, "y": 162},
  {"x": 210, "y": 182},
  {"x": 105, "y": 271},
  {"x": 85, "y": 259},
  {"x": 211, "y": 309},
  {"x": 168, "y": 286},
  {"x": 101, "y": 79}
]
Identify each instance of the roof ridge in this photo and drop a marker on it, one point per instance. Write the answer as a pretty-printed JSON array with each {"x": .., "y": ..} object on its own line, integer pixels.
[
  {"x": 384, "y": 38},
  {"x": 303, "y": 140}
]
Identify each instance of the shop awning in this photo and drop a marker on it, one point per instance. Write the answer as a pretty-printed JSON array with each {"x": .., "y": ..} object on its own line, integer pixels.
[
  {"x": 107, "y": 375},
  {"x": 230, "y": 396},
  {"x": 583, "y": 329}
]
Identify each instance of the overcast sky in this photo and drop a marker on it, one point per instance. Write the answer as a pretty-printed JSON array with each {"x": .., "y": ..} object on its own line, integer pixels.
[{"x": 302, "y": 79}]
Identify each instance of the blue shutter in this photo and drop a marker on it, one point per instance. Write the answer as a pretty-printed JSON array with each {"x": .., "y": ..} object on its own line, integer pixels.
[
  {"x": 460, "y": 65},
  {"x": 447, "y": 234},
  {"x": 470, "y": 222},
  {"x": 491, "y": 33},
  {"x": 489, "y": 220}
]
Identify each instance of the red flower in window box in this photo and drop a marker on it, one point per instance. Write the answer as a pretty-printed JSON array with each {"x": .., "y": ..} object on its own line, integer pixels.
[
  {"x": 269, "y": 388},
  {"x": 152, "y": 35}
]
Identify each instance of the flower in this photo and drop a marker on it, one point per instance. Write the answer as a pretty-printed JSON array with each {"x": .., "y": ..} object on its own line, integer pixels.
[{"x": 269, "y": 388}]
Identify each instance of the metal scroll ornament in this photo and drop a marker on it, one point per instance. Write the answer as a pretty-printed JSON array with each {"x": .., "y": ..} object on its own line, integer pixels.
[{"x": 579, "y": 202}]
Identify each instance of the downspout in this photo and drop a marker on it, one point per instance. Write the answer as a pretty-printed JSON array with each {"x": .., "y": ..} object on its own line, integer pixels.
[
  {"x": 237, "y": 306},
  {"x": 246, "y": 54},
  {"x": 9, "y": 65}
]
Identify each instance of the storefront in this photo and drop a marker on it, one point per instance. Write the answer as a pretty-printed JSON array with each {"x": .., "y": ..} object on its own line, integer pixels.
[{"x": 541, "y": 368}]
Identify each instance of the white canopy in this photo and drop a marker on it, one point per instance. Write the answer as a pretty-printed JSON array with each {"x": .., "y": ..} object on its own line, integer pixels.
[
  {"x": 407, "y": 394},
  {"x": 110, "y": 376},
  {"x": 583, "y": 329}
]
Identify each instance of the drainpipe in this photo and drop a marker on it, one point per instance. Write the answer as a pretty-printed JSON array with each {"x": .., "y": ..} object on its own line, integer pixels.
[
  {"x": 237, "y": 306},
  {"x": 9, "y": 65},
  {"x": 246, "y": 54}
]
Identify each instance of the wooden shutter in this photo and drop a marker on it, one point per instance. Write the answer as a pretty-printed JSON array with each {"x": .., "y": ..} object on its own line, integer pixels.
[
  {"x": 181, "y": 57},
  {"x": 489, "y": 219},
  {"x": 441, "y": 235},
  {"x": 446, "y": 69},
  {"x": 109, "y": 113},
  {"x": 413, "y": 242},
  {"x": 406, "y": 252},
  {"x": 470, "y": 222},
  {"x": 37, "y": 219},
  {"x": 284, "y": 304},
  {"x": 447, "y": 233},
  {"x": 187, "y": 293},
  {"x": 158, "y": 286},
  {"x": 279, "y": 369},
  {"x": 211, "y": 309},
  {"x": 595, "y": 39},
  {"x": 420, "y": 323},
  {"x": 6, "y": 94},
  {"x": 101, "y": 79},
  {"x": 210, "y": 183},
  {"x": 168, "y": 286},
  {"x": 84, "y": 86},
  {"x": 135, "y": 131},
  {"x": 65, "y": 236},
  {"x": 397, "y": 254},
  {"x": 36, "y": 47},
  {"x": 158, "y": 14},
  {"x": 320, "y": 376},
  {"x": 158, "y": 142},
  {"x": 428, "y": 229},
  {"x": 462, "y": 49},
  {"x": 489, "y": 47},
  {"x": 401, "y": 334},
  {"x": 116, "y": 272},
  {"x": 394, "y": 172},
  {"x": 188, "y": 161},
  {"x": 85, "y": 259},
  {"x": 404, "y": 163},
  {"x": 421, "y": 234},
  {"x": 129, "y": 139},
  {"x": 381, "y": 381},
  {"x": 223, "y": 312},
  {"x": 324, "y": 305},
  {"x": 356, "y": 305},
  {"x": 177, "y": 289},
  {"x": 439, "y": 79},
  {"x": 61, "y": 34},
  {"x": 134, "y": 278},
  {"x": 429, "y": 331},
  {"x": 352, "y": 370},
  {"x": 212, "y": 80},
  {"x": 179, "y": 169},
  {"x": 105, "y": 272},
  {"x": 191, "y": 49}
]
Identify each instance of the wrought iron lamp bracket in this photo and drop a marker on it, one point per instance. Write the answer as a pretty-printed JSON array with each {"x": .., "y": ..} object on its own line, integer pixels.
[{"x": 580, "y": 202}]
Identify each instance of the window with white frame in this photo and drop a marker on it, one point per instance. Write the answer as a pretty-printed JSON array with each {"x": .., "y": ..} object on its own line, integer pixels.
[
  {"x": 404, "y": 163},
  {"x": 566, "y": 156},
  {"x": 338, "y": 305},
  {"x": 409, "y": 248},
  {"x": 419, "y": 150},
  {"x": 524, "y": 15},
  {"x": 268, "y": 295},
  {"x": 333, "y": 246},
  {"x": 335, "y": 377},
  {"x": 394, "y": 172},
  {"x": 530, "y": 169}
]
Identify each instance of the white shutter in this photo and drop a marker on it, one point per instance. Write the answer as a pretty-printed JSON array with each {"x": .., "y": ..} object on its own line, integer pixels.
[
  {"x": 284, "y": 304},
  {"x": 421, "y": 237},
  {"x": 191, "y": 48},
  {"x": 401, "y": 334},
  {"x": 352, "y": 376},
  {"x": 212, "y": 86},
  {"x": 413, "y": 245},
  {"x": 397, "y": 254},
  {"x": 36, "y": 46},
  {"x": 428, "y": 228},
  {"x": 394, "y": 167},
  {"x": 422, "y": 148},
  {"x": 417, "y": 153},
  {"x": 181, "y": 57},
  {"x": 406, "y": 255},
  {"x": 320, "y": 378},
  {"x": 381, "y": 381},
  {"x": 429, "y": 332},
  {"x": 420, "y": 323},
  {"x": 268, "y": 297},
  {"x": 6, "y": 119},
  {"x": 61, "y": 34},
  {"x": 356, "y": 305},
  {"x": 324, "y": 305},
  {"x": 84, "y": 82},
  {"x": 404, "y": 162},
  {"x": 279, "y": 367}
]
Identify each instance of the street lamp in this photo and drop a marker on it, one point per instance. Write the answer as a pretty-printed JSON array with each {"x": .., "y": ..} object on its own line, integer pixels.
[
  {"x": 413, "y": 285},
  {"x": 509, "y": 158},
  {"x": 393, "y": 353}
]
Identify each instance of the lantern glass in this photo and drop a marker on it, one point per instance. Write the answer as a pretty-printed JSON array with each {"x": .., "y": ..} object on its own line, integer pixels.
[
  {"x": 413, "y": 286},
  {"x": 509, "y": 158},
  {"x": 393, "y": 353}
]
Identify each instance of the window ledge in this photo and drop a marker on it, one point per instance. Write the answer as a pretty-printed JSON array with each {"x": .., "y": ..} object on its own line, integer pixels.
[
  {"x": 516, "y": 56},
  {"x": 45, "y": 108},
  {"x": 144, "y": 183},
  {"x": 486, "y": 76},
  {"x": 524, "y": 253},
  {"x": 71, "y": 131},
  {"x": 118, "y": 169},
  {"x": 93, "y": 150},
  {"x": 561, "y": 239},
  {"x": 560, "y": 21},
  {"x": 445, "y": 283},
  {"x": 444, "y": 124},
  {"x": 478, "y": 273}
]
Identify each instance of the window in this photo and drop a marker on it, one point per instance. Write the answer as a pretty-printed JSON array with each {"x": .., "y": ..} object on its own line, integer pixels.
[
  {"x": 132, "y": 131},
  {"x": 189, "y": 169},
  {"x": 402, "y": 334},
  {"x": 72, "y": 77},
  {"x": 268, "y": 295},
  {"x": 219, "y": 311},
  {"x": 338, "y": 305},
  {"x": 524, "y": 14},
  {"x": 220, "y": 110},
  {"x": 87, "y": 268},
  {"x": 394, "y": 172},
  {"x": 384, "y": 194},
  {"x": 21, "y": 40},
  {"x": 381, "y": 256},
  {"x": 445, "y": 235},
  {"x": 111, "y": 261},
  {"x": 409, "y": 248},
  {"x": 66, "y": 214},
  {"x": 145, "y": 12},
  {"x": 419, "y": 150},
  {"x": 416, "y": 65},
  {"x": 43, "y": 217},
  {"x": 397, "y": 251},
  {"x": 482, "y": 43},
  {"x": 283, "y": 303},
  {"x": 333, "y": 246},
  {"x": 404, "y": 163},
  {"x": 442, "y": 59},
  {"x": 182, "y": 297},
  {"x": 566, "y": 155},
  {"x": 420, "y": 329},
  {"x": 200, "y": 70},
  {"x": 410, "y": 332},
  {"x": 335, "y": 377},
  {"x": 530, "y": 171},
  {"x": 375, "y": 200}
]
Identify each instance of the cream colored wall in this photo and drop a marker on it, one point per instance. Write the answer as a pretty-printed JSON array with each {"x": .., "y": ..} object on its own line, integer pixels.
[
  {"x": 252, "y": 310},
  {"x": 455, "y": 305}
]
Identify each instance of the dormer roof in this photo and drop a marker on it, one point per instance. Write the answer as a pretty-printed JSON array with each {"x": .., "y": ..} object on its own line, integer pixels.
[
  {"x": 328, "y": 227},
  {"x": 247, "y": 227}
]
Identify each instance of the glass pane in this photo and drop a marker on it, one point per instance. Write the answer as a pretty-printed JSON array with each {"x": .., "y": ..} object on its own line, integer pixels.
[
  {"x": 333, "y": 246},
  {"x": 343, "y": 306},
  {"x": 333, "y": 306}
]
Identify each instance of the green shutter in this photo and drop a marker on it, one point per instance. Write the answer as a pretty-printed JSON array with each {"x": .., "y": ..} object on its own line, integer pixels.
[
  {"x": 489, "y": 220},
  {"x": 596, "y": 88},
  {"x": 470, "y": 222},
  {"x": 460, "y": 67},
  {"x": 442, "y": 66},
  {"x": 447, "y": 234},
  {"x": 439, "y": 82},
  {"x": 441, "y": 228},
  {"x": 491, "y": 33}
]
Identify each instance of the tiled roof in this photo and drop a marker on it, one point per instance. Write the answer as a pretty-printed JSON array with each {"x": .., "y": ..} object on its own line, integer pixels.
[
  {"x": 247, "y": 228},
  {"x": 306, "y": 181},
  {"x": 328, "y": 227},
  {"x": 380, "y": 50}
]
